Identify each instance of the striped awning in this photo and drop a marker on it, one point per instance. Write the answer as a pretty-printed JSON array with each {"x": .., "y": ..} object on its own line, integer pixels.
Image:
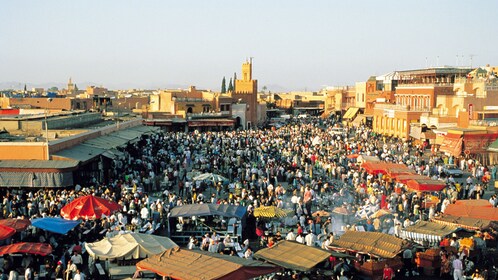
[
  {"x": 351, "y": 113},
  {"x": 271, "y": 212},
  {"x": 373, "y": 243},
  {"x": 428, "y": 231}
]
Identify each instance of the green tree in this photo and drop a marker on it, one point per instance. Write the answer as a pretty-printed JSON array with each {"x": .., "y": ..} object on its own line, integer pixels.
[
  {"x": 230, "y": 85},
  {"x": 223, "y": 85},
  {"x": 234, "y": 79}
]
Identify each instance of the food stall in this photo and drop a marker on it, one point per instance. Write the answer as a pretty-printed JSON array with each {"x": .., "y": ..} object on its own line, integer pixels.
[{"x": 380, "y": 248}]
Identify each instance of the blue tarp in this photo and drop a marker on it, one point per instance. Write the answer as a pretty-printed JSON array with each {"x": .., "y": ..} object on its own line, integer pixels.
[{"x": 57, "y": 225}]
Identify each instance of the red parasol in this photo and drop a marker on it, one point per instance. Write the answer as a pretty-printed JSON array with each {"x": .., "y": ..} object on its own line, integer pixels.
[
  {"x": 17, "y": 224},
  {"x": 89, "y": 207},
  {"x": 352, "y": 156},
  {"x": 41, "y": 249},
  {"x": 6, "y": 232}
]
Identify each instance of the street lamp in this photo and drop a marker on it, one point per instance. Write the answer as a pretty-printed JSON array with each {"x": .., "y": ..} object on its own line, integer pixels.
[
  {"x": 117, "y": 119},
  {"x": 46, "y": 128}
]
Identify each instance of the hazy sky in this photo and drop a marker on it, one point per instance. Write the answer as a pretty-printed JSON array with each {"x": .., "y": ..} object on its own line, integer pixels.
[{"x": 296, "y": 45}]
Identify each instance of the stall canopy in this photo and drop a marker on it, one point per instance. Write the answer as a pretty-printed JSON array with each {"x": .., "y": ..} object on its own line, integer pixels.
[
  {"x": 452, "y": 144},
  {"x": 57, "y": 225},
  {"x": 271, "y": 212},
  {"x": 37, "y": 173},
  {"x": 425, "y": 185},
  {"x": 428, "y": 231},
  {"x": 474, "y": 202},
  {"x": 17, "y": 224},
  {"x": 391, "y": 169},
  {"x": 365, "y": 158},
  {"x": 292, "y": 255},
  {"x": 41, "y": 249},
  {"x": 478, "y": 143},
  {"x": 373, "y": 243},
  {"x": 129, "y": 246},
  {"x": 208, "y": 209},
  {"x": 374, "y": 167},
  {"x": 89, "y": 207},
  {"x": 465, "y": 222},
  {"x": 6, "y": 232},
  {"x": 398, "y": 169},
  {"x": 478, "y": 212},
  {"x": 404, "y": 178},
  {"x": 177, "y": 263},
  {"x": 493, "y": 147}
]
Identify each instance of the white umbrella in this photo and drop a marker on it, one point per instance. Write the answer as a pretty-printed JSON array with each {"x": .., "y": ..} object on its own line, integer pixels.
[{"x": 215, "y": 178}]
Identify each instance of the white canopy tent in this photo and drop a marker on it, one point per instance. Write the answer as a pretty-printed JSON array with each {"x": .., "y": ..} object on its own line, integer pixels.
[{"x": 129, "y": 246}]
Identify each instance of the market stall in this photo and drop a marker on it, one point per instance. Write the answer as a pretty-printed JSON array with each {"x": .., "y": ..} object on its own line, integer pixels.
[
  {"x": 41, "y": 249},
  {"x": 293, "y": 255},
  {"x": 465, "y": 222},
  {"x": 381, "y": 248},
  {"x": 177, "y": 263},
  {"x": 129, "y": 246},
  {"x": 54, "y": 224},
  {"x": 425, "y": 232},
  {"x": 471, "y": 211},
  {"x": 425, "y": 185}
]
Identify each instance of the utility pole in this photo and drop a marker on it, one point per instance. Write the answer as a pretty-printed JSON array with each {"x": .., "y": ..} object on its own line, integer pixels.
[{"x": 46, "y": 128}]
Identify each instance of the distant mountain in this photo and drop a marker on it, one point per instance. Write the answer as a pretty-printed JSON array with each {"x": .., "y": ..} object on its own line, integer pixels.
[{"x": 83, "y": 85}]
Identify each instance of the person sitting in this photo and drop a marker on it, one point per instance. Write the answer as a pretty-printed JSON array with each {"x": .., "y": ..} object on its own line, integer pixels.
[
  {"x": 248, "y": 253},
  {"x": 213, "y": 246},
  {"x": 290, "y": 235},
  {"x": 228, "y": 241}
]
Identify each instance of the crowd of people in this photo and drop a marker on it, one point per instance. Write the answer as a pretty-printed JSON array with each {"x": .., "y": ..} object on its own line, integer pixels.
[{"x": 303, "y": 166}]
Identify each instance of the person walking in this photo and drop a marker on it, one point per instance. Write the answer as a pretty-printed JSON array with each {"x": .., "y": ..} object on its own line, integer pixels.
[
  {"x": 388, "y": 273},
  {"x": 457, "y": 269},
  {"x": 407, "y": 262}
]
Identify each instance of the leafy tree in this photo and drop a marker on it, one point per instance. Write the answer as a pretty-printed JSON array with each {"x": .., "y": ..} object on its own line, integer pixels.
[{"x": 223, "y": 85}]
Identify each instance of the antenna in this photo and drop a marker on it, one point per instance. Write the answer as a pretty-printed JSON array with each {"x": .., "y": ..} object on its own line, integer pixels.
[
  {"x": 426, "y": 62},
  {"x": 471, "y": 59}
]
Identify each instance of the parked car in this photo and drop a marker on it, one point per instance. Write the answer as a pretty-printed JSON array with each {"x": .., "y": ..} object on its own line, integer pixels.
[{"x": 453, "y": 170}]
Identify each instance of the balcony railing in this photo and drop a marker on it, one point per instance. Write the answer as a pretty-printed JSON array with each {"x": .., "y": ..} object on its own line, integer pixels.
[
  {"x": 399, "y": 107},
  {"x": 426, "y": 85},
  {"x": 209, "y": 114}
]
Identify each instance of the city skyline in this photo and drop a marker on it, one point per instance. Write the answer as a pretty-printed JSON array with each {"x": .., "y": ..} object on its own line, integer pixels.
[{"x": 156, "y": 44}]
